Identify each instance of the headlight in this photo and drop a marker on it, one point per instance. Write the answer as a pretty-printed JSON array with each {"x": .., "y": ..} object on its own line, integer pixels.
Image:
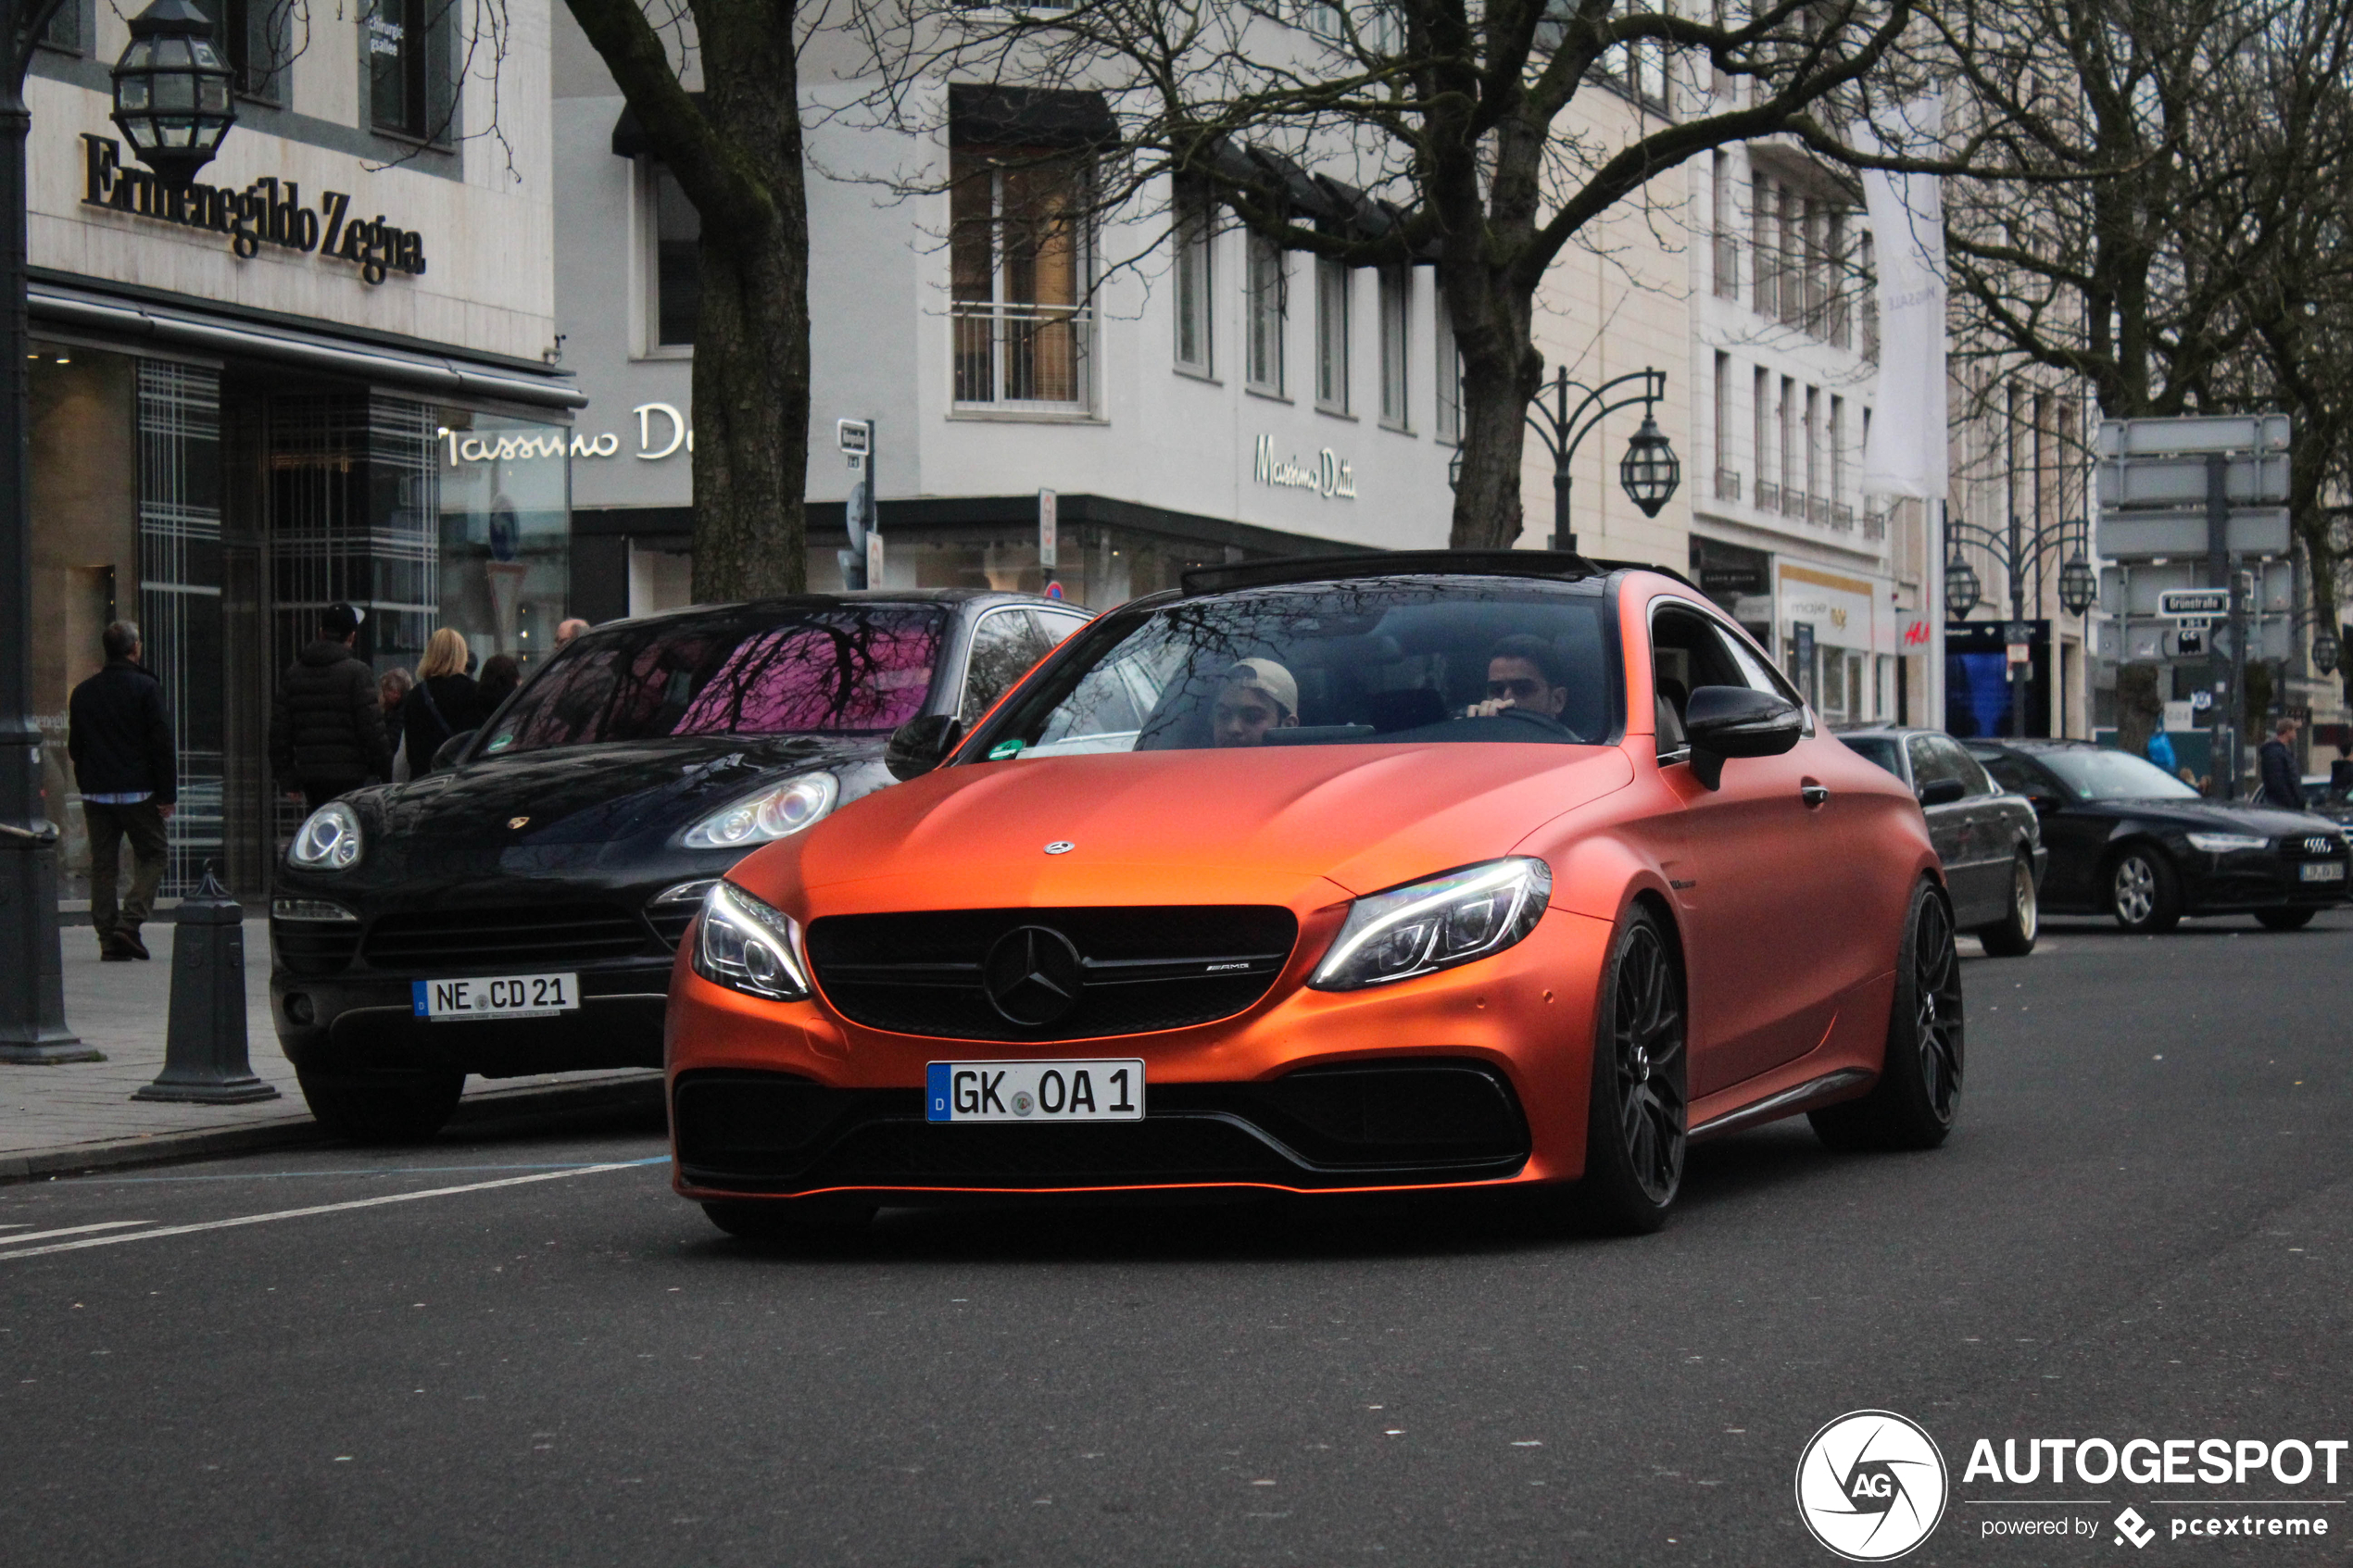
[
  {"x": 329, "y": 840},
  {"x": 778, "y": 811},
  {"x": 746, "y": 946},
  {"x": 1435, "y": 924},
  {"x": 2223, "y": 843}
]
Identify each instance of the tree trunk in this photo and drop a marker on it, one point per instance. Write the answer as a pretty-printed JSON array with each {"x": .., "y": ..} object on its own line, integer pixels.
[{"x": 1502, "y": 370}]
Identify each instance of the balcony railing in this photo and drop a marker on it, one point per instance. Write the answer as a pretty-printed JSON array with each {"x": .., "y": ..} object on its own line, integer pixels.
[
  {"x": 1768, "y": 496},
  {"x": 1843, "y": 516},
  {"x": 1874, "y": 525},
  {"x": 1024, "y": 358},
  {"x": 1727, "y": 485},
  {"x": 1793, "y": 503}
]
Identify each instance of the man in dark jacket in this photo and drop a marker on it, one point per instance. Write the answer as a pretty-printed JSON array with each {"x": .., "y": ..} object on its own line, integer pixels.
[
  {"x": 2282, "y": 787},
  {"x": 327, "y": 727},
  {"x": 119, "y": 738}
]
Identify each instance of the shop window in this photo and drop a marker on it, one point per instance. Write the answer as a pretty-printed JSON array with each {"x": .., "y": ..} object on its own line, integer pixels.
[
  {"x": 674, "y": 259},
  {"x": 1020, "y": 275},
  {"x": 1449, "y": 379},
  {"x": 1331, "y": 337},
  {"x": 412, "y": 61},
  {"x": 1263, "y": 291},
  {"x": 1396, "y": 301},
  {"x": 1195, "y": 239},
  {"x": 258, "y": 37}
]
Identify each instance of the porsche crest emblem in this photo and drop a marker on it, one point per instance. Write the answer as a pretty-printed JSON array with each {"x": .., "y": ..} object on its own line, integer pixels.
[{"x": 518, "y": 824}]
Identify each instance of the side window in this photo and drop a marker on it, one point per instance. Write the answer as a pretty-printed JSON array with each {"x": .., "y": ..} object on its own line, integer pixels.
[
  {"x": 1931, "y": 763},
  {"x": 1058, "y": 623},
  {"x": 2017, "y": 776},
  {"x": 1007, "y": 643},
  {"x": 1687, "y": 652},
  {"x": 1962, "y": 766}
]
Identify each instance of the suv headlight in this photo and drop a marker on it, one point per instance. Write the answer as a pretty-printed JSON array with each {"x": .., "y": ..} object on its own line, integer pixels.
[
  {"x": 748, "y": 946},
  {"x": 329, "y": 840},
  {"x": 778, "y": 811},
  {"x": 1435, "y": 924},
  {"x": 2223, "y": 843}
]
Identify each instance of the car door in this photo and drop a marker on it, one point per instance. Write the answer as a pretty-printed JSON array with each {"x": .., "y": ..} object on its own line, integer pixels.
[
  {"x": 2076, "y": 839},
  {"x": 1755, "y": 857},
  {"x": 1952, "y": 825}
]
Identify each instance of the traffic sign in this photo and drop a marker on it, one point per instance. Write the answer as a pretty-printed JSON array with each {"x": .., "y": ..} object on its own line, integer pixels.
[
  {"x": 2200, "y": 602},
  {"x": 856, "y": 436},
  {"x": 2254, "y": 531},
  {"x": 2198, "y": 433},
  {"x": 1048, "y": 530},
  {"x": 2257, "y": 480}
]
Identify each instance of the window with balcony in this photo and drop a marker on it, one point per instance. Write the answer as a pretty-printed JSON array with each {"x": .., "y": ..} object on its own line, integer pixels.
[
  {"x": 1331, "y": 337},
  {"x": 1263, "y": 292},
  {"x": 1760, "y": 412},
  {"x": 1728, "y": 479},
  {"x": 1020, "y": 276}
]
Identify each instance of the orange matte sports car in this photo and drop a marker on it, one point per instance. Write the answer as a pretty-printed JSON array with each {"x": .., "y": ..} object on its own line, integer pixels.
[{"x": 1435, "y": 869}]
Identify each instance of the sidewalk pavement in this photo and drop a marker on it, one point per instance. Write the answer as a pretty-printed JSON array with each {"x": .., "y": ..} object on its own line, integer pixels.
[{"x": 80, "y": 1115}]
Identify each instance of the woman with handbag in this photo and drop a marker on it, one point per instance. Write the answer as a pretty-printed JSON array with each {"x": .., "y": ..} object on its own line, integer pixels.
[{"x": 445, "y": 701}]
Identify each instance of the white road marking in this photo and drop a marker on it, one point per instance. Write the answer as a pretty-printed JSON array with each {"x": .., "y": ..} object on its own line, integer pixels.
[
  {"x": 323, "y": 1209},
  {"x": 72, "y": 1229}
]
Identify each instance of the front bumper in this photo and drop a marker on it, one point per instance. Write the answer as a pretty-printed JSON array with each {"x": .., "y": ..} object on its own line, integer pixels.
[
  {"x": 1305, "y": 1091},
  {"x": 2246, "y": 881},
  {"x": 364, "y": 1025}
]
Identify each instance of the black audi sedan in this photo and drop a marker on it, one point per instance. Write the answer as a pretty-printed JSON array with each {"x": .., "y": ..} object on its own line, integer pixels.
[
  {"x": 516, "y": 911},
  {"x": 1990, "y": 840},
  {"x": 2128, "y": 838}
]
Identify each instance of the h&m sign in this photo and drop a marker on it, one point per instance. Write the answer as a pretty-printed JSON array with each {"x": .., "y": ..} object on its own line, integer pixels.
[{"x": 267, "y": 212}]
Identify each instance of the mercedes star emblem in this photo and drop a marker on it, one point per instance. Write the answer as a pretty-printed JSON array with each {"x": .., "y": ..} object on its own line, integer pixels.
[
  {"x": 1060, "y": 846},
  {"x": 1033, "y": 976}
]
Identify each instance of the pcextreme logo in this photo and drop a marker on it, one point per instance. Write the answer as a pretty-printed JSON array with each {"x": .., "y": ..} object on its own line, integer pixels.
[{"x": 1871, "y": 1485}]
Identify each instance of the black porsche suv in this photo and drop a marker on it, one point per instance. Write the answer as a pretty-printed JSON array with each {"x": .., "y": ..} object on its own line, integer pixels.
[{"x": 516, "y": 911}]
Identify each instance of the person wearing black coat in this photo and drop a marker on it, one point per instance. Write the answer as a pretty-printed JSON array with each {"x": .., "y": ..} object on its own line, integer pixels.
[
  {"x": 327, "y": 726},
  {"x": 445, "y": 701},
  {"x": 119, "y": 738},
  {"x": 2282, "y": 787}
]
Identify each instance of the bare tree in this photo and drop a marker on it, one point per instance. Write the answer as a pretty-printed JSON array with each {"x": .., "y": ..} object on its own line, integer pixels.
[
  {"x": 1457, "y": 129},
  {"x": 734, "y": 148}
]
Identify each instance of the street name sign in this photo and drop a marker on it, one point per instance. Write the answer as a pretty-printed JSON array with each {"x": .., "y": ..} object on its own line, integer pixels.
[
  {"x": 2198, "y": 434},
  {"x": 2250, "y": 481},
  {"x": 2253, "y": 531},
  {"x": 2199, "y": 602}
]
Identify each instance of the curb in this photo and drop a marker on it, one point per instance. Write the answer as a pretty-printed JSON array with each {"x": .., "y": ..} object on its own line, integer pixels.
[{"x": 495, "y": 1110}]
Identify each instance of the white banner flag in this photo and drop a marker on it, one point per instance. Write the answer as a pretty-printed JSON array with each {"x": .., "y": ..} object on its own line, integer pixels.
[{"x": 1906, "y": 455}]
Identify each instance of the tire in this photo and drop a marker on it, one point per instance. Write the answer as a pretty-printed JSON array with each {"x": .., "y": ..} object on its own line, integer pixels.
[
  {"x": 798, "y": 1222},
  {"x": 2013, "y": 935},
  {"x": 1918, "y": 1091},
  {"x": 2143, "y": 891},
  {"x": 1635, "y": 1133},
  {"x": 2285, "y": 920},
  {"x": 402, "y": 1109}
]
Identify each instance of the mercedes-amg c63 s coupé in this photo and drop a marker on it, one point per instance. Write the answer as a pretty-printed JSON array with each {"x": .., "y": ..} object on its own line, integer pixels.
[{"x": 1403, "y": 872}]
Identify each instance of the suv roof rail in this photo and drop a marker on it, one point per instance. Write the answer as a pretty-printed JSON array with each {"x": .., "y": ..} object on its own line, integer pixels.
[{"x": 1555, "y": 564}]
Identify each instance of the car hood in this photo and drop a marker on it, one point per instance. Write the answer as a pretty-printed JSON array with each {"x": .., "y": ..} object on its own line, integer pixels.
[
  {"x": 1183, "y": 826},
  {"x": 587, "y": 805},
  {"x": 2220, "y": 816}
]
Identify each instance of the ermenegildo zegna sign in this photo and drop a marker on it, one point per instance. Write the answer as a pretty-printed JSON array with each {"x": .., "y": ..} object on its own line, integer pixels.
[{"x": 266, "y": 212}]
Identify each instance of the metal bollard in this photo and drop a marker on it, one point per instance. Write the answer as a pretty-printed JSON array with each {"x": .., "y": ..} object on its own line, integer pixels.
[{"x": 204, "y": 1053}]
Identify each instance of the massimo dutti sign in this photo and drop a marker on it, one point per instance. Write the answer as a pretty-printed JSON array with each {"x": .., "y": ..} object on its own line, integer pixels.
[{"x": 268, "y": 212}]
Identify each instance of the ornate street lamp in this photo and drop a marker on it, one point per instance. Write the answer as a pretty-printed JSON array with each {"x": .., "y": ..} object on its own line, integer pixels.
[
  {"x": 1649, "y": 473},
  {"x": 172, "y": 100},
  {"x": 1960, "y": 589},
  {"x": 2078, "y": 584}
]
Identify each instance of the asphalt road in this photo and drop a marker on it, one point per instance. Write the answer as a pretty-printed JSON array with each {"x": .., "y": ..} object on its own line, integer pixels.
[{"x": 2144, "y": 1227}]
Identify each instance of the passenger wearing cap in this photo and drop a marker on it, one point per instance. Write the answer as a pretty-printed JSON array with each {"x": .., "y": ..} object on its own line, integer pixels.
[
  {"x": 1256, "y": 696},
  {"x": 327, "y": 731}
]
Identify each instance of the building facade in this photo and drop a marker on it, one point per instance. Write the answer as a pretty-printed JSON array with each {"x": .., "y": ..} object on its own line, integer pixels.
[
  {"x": 322, "y": 372},
  {"x": 1190, "y": 399}
]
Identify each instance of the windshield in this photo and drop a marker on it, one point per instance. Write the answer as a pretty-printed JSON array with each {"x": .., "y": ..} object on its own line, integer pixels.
[
  {"x": 850, "y": 670},
  {"x": 2114, "y": 775},
  {"x": 1878, "y": 749},
  {"x": 1381, "y": 660}
]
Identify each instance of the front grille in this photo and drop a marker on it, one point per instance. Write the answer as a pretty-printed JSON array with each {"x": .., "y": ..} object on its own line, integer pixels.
[
  {"x": 2316, "y": 846},
  {"x": 478, "y": 939},
  {"x": 670, "y": 921},
  {"x": 1399, "y": 1124},
  {"x": 1144, "y": 969},
  {"x": 314, "y": 948}
]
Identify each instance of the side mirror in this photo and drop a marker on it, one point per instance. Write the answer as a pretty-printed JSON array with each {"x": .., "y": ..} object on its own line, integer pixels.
[
  {"x": 2044, "y": 803},
  {"x": 1724, "y": 722},
  {"x": 446, "y": 757},
  {"x": 920, "y": 745},
  {"x": 1942, "y": 791}
]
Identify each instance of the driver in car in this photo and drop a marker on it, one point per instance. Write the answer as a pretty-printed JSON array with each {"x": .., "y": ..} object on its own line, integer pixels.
[
  {"x": 1522, "y": 672},
  {"x": 1256, "y": 696}
]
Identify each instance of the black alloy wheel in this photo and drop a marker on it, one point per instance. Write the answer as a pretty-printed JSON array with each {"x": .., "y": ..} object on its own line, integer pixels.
[
  {"x": 1636, "y": 1132},
  {"x": 2285, "y": 920},
  {"x": 385, "y": 1108},
  {"x": 2013, "y": 935},
  {"x": 2143, "y": 891},
  {"x": 1918, "y": 1091}
]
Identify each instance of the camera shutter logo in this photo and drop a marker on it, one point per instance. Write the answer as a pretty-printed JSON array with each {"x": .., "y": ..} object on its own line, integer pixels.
[{"x": 1871, "y": 1485}]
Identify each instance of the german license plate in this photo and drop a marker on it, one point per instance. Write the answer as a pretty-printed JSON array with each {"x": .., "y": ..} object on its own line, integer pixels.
[
  {"x": 1033, "y": 1091},
  {"x": 503, "y": 996},
  {"x": 2321, "y": 871}
]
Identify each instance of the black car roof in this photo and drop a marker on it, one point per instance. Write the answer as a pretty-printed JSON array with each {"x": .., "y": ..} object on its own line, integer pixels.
[{"x": 1559, "y": 565}]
